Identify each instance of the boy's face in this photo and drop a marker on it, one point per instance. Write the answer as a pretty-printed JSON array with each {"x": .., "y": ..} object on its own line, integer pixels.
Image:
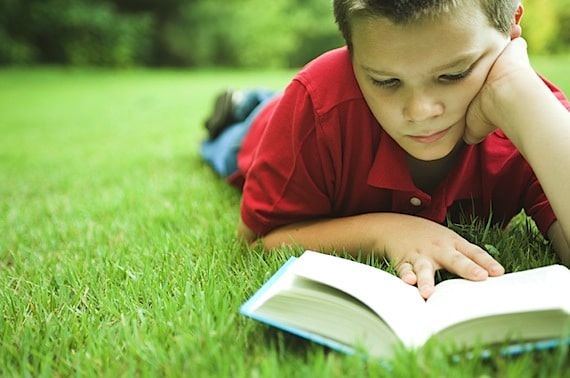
[{"x": 419, "y": 79}]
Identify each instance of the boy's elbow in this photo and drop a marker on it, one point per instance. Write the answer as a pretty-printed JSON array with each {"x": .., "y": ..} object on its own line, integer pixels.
[
  {"x": 246, "y": 234},
  {"x": 272, "y": 240}
]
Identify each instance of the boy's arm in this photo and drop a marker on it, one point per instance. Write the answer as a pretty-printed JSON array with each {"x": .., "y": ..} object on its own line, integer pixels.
[
  {"x": 417, "y": 247},
  {"x": 518, "y": 102},
  {"x": 556, "y": 236}
]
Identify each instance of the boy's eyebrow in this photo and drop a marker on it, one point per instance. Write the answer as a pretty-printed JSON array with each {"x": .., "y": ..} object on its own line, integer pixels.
[{"x": 469, "y": 58}]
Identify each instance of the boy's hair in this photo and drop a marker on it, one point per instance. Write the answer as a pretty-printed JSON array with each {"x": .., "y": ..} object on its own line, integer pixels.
[{"x": 499, "y": 12}]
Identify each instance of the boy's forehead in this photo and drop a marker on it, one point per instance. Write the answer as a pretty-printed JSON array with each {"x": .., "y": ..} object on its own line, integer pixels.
[{"x": 448, "y": 42}]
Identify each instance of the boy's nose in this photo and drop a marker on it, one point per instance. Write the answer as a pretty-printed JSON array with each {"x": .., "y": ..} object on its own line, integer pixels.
[{"x": 421, "y": 107}]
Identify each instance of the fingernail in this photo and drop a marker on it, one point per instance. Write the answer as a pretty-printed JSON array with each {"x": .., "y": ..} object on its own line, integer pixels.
[
  {"x": 497, "y": 269},
  {"x": 425, "y": 290},
  {"x": 480, "y": 272}
]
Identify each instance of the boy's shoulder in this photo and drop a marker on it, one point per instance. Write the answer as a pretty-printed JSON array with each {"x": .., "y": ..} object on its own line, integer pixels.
[{"x": 329, "y": 79}]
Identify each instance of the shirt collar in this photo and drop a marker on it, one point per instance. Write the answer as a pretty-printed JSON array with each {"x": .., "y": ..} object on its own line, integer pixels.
[{"x": 390, "y": 171}]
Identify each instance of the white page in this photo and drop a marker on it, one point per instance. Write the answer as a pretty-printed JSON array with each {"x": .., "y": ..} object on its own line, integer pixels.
[{"x": 457, "y": 300}]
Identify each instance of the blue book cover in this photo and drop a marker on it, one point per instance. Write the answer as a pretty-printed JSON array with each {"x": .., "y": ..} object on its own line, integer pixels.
[{"x": 247, "y": 310}]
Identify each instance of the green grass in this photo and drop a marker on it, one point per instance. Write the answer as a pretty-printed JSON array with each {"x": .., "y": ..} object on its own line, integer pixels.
[{"x": 117, "y": 246}]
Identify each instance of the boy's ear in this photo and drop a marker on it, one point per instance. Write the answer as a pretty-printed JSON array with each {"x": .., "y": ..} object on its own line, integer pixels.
[
  {"x": 519, "y": 13},
  {"x": 516, "y": 30}
]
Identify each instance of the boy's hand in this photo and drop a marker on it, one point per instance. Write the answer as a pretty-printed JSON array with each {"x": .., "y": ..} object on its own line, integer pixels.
[
  {"x": 484, "y": 113},
  {"x": 416, "y": 246},
  {"x": 419, "y": 247}
]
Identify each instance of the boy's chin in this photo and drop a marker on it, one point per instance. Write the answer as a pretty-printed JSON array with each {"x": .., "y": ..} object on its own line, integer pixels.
[{"x": 435, "y": 154}]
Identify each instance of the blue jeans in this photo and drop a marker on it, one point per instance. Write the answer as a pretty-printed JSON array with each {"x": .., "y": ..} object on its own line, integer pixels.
[{"x": 221, "y": 153}]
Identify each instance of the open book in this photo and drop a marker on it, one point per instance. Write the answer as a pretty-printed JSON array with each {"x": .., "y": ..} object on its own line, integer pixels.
[{"x": 345, "y": 305}]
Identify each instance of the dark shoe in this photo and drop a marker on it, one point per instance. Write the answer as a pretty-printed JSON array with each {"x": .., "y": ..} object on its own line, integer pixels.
[{"x": 222, "y": 115}]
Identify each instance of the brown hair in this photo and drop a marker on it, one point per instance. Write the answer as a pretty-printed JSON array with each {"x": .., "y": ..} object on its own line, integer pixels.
[{"x": 499, "y": 12}]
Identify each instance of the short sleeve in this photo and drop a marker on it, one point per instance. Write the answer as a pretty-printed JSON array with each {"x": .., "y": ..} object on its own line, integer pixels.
[
  {"x": 538, "y": 207},
  {"x": 285, "y": 180}
]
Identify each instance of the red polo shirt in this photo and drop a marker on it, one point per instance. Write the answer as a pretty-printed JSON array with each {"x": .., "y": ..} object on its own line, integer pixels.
[{"x": 318, "y": 152}]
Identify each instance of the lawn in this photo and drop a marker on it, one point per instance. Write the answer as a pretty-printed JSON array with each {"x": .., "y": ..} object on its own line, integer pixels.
[{"x": 117, "y": 245}]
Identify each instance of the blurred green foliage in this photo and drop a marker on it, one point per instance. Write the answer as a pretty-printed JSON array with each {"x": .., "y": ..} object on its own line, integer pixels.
[
  {"x": 76, "y": 32},
  {"x": 546, "y": 25},
  {"x": 239, "y": 33}
]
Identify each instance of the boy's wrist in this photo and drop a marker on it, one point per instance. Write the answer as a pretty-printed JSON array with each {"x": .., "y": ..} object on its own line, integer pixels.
[{"x": 512, "y": 99}]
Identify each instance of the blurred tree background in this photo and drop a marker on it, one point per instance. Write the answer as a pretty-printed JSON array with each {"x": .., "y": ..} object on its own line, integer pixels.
[{"x": 199, "y": 33}]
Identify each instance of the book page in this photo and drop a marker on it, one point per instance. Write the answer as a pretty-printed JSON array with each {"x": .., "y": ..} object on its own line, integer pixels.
[
  {"x": 320, "y": 310},
  {"x": 458, "y": 300},
  {"x": 396, "y": 302}
]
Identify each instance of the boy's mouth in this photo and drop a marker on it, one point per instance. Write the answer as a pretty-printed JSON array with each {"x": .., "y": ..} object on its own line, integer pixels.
[{"x": 430, "y": 138}]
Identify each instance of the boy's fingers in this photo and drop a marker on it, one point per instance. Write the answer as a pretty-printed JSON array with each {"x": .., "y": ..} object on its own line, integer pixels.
[
  {"x": 406, "y": 273},
  {"x": 514, "y": 56},
  {"x": 471, "y": 262},
  {"x": 520, "y": 44},
  {"x": 471, "y": 138},
  {"x": 482, "y": 259},
  {"x": 425, "y": 272},
  {"x": 460, "y": 264},
  {"x": 465, "y": 259},
  {"x": 477, "y": 127}
]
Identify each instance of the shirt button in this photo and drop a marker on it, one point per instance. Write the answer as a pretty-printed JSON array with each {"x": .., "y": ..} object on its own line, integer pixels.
[{"x": 415, "y": 201}]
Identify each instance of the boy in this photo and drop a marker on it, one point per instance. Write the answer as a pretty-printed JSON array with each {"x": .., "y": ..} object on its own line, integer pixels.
[{"x": 431, "y": 110}]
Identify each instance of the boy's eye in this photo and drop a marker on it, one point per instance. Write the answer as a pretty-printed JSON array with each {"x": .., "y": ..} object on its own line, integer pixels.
[
  {"x": 455, "y": 77},
  {"x": 389, "y": 83}
]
